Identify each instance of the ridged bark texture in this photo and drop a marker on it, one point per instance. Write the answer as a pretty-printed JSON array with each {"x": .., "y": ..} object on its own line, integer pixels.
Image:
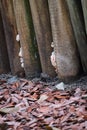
[
  {"x": 64, "y": 42},
  {"x": 41, "y": 20},
  {"x": 4, "y": 61},
  {"x": 10, "y": 29},
  {"x": 27, "y": 37},
  {"x": 84, "y": 7},
  {"x": 79, "y": 30}
]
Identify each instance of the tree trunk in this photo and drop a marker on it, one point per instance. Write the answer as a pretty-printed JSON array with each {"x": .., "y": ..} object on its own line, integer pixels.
[
  {"x": 84, "y": 7},
  {"x": 64, "y": 42},
  {"x": 79, "y": 30},
  {"x": 27, "y": 37},
  {"x": 41, "y": 20},
  {"x": 4, "y": 61},
  {"x": 10, "y": 34}
]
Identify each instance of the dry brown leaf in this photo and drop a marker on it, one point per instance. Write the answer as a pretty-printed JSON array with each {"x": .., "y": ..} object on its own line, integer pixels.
[{"x": 43, "y": 109}]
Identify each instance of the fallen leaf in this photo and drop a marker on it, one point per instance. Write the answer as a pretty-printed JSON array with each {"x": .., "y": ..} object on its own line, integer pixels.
[
  {"x": 43, "y": 109},
  {"x": 42, "y": 98},
  {"x": 9, "y": 110},
  {"x": 60, "y": 86}
]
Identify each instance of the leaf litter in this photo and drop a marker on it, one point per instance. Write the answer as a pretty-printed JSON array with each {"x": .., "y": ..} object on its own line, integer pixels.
[{"x": 29, "y": 105}]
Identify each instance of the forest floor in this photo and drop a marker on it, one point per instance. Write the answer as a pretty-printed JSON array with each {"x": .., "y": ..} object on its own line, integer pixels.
[{"x": 39, "y": 105}]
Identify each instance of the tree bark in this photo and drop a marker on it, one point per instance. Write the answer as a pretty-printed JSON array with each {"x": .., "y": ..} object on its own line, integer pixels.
[
  {"x": 64, "y": 41},
  {"x": 41, "y": 20},
  {"x": 79, "y": 30},
  {"x": 84, "y": 7},
  {"x": 4, "y": 61},
  {"x": 10, "y": 34},
  {"x": 27, "y": 37}
]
